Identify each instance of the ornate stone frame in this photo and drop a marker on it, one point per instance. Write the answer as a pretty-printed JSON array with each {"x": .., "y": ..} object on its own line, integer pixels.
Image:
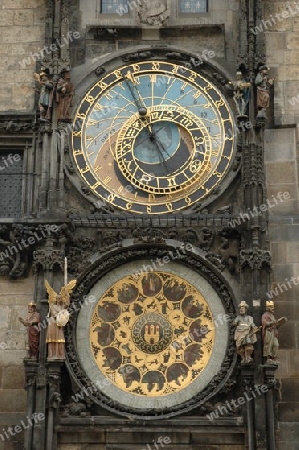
[
  {"x": 87, "y": 75},
  {"x": 113, "y": 260}
]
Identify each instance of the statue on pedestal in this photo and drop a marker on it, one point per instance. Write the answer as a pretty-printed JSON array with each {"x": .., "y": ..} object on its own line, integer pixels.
[
  {"x": 58, "y": 317},
  {"x": 45, "y": 90},
  {"x": 245, "y": 334},
  {"x": 64, "y": 96},
  {"x": 241, "y": 94},
  {"x": 32, "y": 322},
  {"x": 270, "y": 334},
  {"x": 263, "y": 84}
]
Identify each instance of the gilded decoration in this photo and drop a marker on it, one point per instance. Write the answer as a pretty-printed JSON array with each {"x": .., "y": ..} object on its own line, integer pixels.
[
  {"x": 158, "y": 127},
  {"x": 152, "y": 334}
]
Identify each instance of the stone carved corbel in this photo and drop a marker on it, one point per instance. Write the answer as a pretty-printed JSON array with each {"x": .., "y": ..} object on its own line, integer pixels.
[
  {"x": 75, "y": 409},
  {"x": 13, "y": 126},
  {"x": 18, "y": 243},
  {"x": 229, "y": 251},
  {"x": 47, "y": 259},
  {"x": 79, "y": 250},
  {"x": 148, "y": 235},
  {"x": 255, "y": 258},
  {"x": 137, "y": 56}
]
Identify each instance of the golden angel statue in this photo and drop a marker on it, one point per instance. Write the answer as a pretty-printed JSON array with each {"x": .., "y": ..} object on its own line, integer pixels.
[{"x": 58, "y": 317}]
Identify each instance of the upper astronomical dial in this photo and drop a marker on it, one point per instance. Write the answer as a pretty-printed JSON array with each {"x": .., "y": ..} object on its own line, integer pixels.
[{"x": 153, "y": 137}]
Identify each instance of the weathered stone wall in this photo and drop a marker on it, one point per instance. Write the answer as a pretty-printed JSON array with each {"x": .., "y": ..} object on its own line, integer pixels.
[
  {"x": 22, "y": 30},
  {"x": 145, "y": 440},
  {"x": 282, "y": 40},
  {"x": 214, "y": 31},
  {"x": 15, "y": 295},
  {"x": 281, "y": 154},
  {"x": 282, "y": 159}
]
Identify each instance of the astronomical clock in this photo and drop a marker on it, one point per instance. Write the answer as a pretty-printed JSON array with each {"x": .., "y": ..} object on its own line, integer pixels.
[{"x": 152, "y": 137}]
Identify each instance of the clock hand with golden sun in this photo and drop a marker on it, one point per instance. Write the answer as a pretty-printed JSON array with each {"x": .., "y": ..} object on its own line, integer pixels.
[
  {"x": 142, "y": 109},
  {"x": 143, "y": 113}
]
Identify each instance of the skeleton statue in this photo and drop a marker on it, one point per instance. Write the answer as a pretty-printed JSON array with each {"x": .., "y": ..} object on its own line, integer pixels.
[{"x": 241, "y": 94}]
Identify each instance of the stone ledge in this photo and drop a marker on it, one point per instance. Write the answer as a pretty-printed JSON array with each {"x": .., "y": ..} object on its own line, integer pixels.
[
  {"x": 293, "y": 219},
  {"x": 231, "y": 424}
]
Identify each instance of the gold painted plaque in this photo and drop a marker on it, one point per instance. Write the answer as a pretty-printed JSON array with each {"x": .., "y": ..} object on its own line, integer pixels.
[{"x": 152, "y": 334}]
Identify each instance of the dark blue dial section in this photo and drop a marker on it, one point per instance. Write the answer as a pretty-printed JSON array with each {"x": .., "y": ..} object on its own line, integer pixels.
[{"x": 166, "y": 137}]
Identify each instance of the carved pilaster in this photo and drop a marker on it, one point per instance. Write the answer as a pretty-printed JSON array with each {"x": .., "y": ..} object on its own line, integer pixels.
[
  {"x": 49, "y": 24},
  {"x": 247, "y": 375},
  {"x": 54, "y": 400},
  {"x": 64, "y": 30},
  {"x": 254, "y": 256},
  {"x": 57, "y": 33},
  {"x": 243, "y": 29},
  {"x": 48, "y": 262},
  {"x": 260, "y": 54},
  {"x": 54, "y": 62},
  {"x": 30, "y": 384},
  {"x": 271, "y": 382}
]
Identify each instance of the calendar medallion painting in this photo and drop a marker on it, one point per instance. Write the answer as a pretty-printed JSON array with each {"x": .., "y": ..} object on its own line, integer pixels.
[
  {"x": 149, "y": 341},
  {"x": 152, "y": 334}
]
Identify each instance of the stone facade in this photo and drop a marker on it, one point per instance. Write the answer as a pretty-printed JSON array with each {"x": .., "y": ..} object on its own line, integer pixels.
[
  {"x": 281, "y": 40},
  {"x": 283, "y": 233},
  {"x": 14, "y": 299},
  {"x": 87, "y": 233},
  {"x": 22, "y": 32},
  {"x": 281, "y": 162}
]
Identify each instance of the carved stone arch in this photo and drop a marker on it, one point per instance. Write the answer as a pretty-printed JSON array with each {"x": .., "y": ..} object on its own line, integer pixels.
[
  {"x": 92, "y": 71},
  {"x": 106, "y": 265},
  {"x": 87, "y": 74}
]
